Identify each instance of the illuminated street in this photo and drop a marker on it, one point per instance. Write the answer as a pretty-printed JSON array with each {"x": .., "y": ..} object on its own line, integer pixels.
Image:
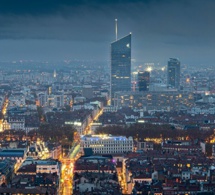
[
  {"x": 88, "y": 128},
  {"x": 67, "y": 171},
  {"x": 67, "y": 176},
  {"x": 107, "y": 97},
  {"x": 68, "y": 163},
  {"x": 4, "y": 111}
]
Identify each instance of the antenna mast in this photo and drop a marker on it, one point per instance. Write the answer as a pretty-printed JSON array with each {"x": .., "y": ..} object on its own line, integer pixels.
[{"x": 116, "y": 28}]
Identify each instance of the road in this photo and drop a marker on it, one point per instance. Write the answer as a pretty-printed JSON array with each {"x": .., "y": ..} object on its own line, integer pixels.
[
  {"x": 4, "y": 111},
  {"x": 88, "y": 128},
  {"x": 67, "y": 170},
  {"x": 66, "y": 187},
  {"x": 67, "y": 177},
  {"x": 4, "y": 108}
]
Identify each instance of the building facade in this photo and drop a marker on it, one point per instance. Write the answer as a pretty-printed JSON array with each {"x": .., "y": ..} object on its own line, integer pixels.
[
  {"x": 121, "y": 65},
  {"x": 87, "y": 91},
  {"x": 48, "y": 166},
  {"x": 155, "y": 100},
  {"x": 143, "y": 81},
  {"x": 107, "y": 144},
  {"x": 53, "y": 100},
  {"x": 19, "y": 155},
  {"x": 17, "y": 122},
  {"x": 145, "y": 146},
  {"x": 173, "y": 73}
]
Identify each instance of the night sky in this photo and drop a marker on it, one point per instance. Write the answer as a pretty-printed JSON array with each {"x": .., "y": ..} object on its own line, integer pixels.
[{"x": 83, "y": 29}]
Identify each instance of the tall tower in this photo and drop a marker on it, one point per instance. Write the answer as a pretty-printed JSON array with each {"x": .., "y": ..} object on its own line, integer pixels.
[
  {"x": 120, "y": 65},
  {"x": 143, "y": 80},
  {"x": 173, "y": 73},
  {"x": 55, "y": 74}
]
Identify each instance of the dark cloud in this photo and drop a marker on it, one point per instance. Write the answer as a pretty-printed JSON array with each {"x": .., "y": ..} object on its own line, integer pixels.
[
  {"x": 85, "y": 28},
  {"x": 35, "y": 7}
]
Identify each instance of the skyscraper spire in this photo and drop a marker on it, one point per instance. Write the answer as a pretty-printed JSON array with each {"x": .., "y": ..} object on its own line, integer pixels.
[{"x": 116, "y": 28}]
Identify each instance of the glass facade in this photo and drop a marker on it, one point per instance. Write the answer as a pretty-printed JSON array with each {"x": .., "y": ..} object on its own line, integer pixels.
[
  {"x": 173, "y": 73},
  {"x": 143, "y": 80},
  {"x": 120, "y": 65}
]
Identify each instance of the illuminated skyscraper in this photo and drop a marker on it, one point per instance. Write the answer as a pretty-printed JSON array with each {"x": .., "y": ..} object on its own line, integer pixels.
[
  {"x": 120, "y": 65},
  {"x": 143, "y": 80},
  {"x": 173, "y": 73}
]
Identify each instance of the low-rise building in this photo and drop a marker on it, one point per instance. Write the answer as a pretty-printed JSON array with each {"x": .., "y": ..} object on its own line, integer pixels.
[
  {"x": 95, "y": 175},
  {"x": 107, "y": 144},
  {"x": 6, "y": 170},
  {"x": 145, "y": 146},
  {"x": 19, "y": 155},
  {"x": 48, "y": 166},
  {"x": 54, "y": 151},
  {"x": 17, "y": 122},
  {"x": 41, "y": 166}
]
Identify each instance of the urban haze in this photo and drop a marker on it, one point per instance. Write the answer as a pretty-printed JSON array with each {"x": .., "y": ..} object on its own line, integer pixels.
[
  {"x": 107, "y": 97},
  {"x": 59, "y": 30}
]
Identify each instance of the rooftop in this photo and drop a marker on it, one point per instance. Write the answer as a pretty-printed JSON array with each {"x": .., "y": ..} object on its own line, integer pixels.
[{"x": 104, "y": 137}]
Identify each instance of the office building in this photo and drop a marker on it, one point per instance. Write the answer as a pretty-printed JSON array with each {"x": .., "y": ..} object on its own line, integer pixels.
[
  {"x": 120, "y": 65},
  {"x": 143, "y": 81},
  {"x": 107, "y": 144},
  {"x": 87, "y": 91},
  {"x": 171, "y": 100},
  {"x": 173, "y": 73},
  {"x": 52, "y": 100}
]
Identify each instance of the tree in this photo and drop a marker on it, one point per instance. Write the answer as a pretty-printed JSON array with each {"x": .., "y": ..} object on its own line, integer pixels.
[
  {"x": 147, "y": 130},
  {"x": 67, "y": 108},
  {"x": 56, "y": 132}
]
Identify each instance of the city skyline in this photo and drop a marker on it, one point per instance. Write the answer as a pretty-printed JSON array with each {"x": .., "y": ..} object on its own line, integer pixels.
[
  {"x": 107, "y": 97},
  {"x": 83, "y": 30}
]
